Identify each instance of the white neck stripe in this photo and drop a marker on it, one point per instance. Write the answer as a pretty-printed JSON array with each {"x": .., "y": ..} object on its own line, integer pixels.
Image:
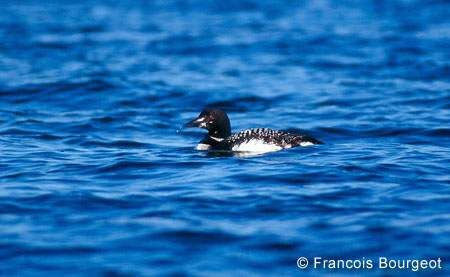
[{"x": 216, "y": 139}]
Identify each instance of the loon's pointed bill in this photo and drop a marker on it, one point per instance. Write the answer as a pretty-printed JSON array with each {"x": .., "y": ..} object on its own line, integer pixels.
[
  {"x": 259, "y": 140},
  {"x": 196, "y": 122}
]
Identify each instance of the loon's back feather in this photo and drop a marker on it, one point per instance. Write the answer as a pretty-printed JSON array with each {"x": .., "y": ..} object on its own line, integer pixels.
[{"x": 280, "y": 138}]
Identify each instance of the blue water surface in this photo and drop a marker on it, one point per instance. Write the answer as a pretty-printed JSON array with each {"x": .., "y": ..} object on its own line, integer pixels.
[{"x": 97, "y": 177}]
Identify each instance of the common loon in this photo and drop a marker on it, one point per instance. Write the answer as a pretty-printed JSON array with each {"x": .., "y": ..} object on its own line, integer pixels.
[{"x": 259, "y": 140}]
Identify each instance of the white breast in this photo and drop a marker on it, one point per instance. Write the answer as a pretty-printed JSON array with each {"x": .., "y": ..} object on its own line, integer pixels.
[
  {"x": 256, "y": 145},
  {"x": 202, "y": 146}
]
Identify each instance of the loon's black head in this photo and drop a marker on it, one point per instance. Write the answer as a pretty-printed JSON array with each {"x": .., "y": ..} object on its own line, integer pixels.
[{"x": 215, "y": 121}]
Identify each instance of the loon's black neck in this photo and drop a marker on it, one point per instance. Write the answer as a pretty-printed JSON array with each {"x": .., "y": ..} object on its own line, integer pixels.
[
  {"x": 217, "y": 133},
  {"x": 220, "y": 133}
]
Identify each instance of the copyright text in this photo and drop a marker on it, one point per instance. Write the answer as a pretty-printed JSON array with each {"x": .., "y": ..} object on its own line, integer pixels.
[{"x": 383, "y": 263}]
